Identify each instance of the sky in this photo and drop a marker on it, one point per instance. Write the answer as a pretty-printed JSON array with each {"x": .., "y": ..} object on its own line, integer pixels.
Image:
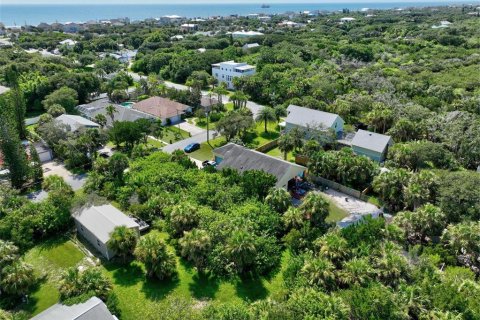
[{"x": 206, "y": 1}]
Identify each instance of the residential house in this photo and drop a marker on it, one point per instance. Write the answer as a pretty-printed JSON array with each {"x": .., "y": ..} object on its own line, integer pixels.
[
  {"x": 242, "y": 159},
  {"x": 170, "y": 19},
  {"x": 3, "y": 89},
  {"x": 44, "y": 152},
  {"x": 189, "y": 27},
  {"x": 310, "y": 119},
  {"x": 95, "y": 224},
  {"x": 122, "y": 113},
  {"x": 246, "y": 34},
  {"x": 370, "y": 144},
  {"x": 71, "y": 27},
  {"x": 167, "y": 110},
  {"x": 226, "y": 71},
  {"x": 93, "y": 308},
  {"x": 250, "y": 47},
  {"x": 347, "y": 20},
  {"x": 68, "y": 43},
  {"x": 76, "y": 122}
]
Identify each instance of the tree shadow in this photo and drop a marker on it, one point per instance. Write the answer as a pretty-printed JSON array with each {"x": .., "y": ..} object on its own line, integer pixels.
[
  {"x": 125, "y": 274},
  {"x": 250, "y": 288},
  {"x": 155, "y": 289},
  {"x": 204, "y": 286}
]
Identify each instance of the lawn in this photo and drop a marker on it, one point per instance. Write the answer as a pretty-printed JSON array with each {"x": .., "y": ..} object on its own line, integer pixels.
[
  {"x": 155, "y": 143},
  {"x": 275, "y": 152},
  {"x": 49, "y": 260},
  {"x": 173, "y": 134},
  {"x": 258, "y": 137},
  {"x": 206, "y": 150},
  {"x": 136, "y": 294},
  {"x": 335, "y": 212}
]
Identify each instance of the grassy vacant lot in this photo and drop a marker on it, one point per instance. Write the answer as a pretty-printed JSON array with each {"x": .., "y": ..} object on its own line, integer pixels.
[
  {"x": 258, "y": 137},
  {"x": 49, "y": 260},
  {"x": 173, "y": 134},
  {"x": 138, "y": 295},
  {"x": 336, "y": 213}
]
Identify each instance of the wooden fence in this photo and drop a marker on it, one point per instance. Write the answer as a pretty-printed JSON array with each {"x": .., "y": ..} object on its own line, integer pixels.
[
  {"x": 337, "y": 186},
  {"x": 268, "y": 146}
]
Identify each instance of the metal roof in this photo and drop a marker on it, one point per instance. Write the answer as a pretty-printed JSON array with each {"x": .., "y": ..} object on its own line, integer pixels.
[
  {"x": 92, "y": 309},
  {"x": 309, "y": 117},
  {"x": 101, "y": 220},
  {"x": 371, "y": 141}
]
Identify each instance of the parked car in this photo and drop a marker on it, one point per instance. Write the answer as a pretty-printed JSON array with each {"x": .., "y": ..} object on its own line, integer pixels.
[
  {"x": 209, "y": 163},
  {"x": 192, "y": 147}
]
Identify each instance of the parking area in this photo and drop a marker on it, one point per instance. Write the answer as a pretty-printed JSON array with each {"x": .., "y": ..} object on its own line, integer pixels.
[
  {"x": 76, "y": 181},
  {"x": 351, "y": 204}
]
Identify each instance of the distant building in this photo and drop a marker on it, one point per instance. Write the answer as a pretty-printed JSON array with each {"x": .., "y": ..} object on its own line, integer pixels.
[
  {"x": 189, "y": 27},
  {"x": 167, "y": 110},
  {"x": 76, "y": 122},
  {"x": 71, "y": 27},
  {"x": 246, "y": 34},
  {"x": 370, "y": 144},
  {"x": 92, "y": 309},
  {"x": 243, "y": 159},
  {"x": 97, "y": 222},
  {"x": 310, "y": 119},
  {"x": 250, "y": 46},
  {"x": 226, "y": 71},
  {"x": 347, "y": 19},
  {"x": 171, "y": 19},
  {"x": 68, "y": 42},
  {"x": 176, "y": 38}
]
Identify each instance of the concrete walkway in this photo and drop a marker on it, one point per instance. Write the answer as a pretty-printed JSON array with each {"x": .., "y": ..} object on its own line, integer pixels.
[{"x": 193, "y": 129}]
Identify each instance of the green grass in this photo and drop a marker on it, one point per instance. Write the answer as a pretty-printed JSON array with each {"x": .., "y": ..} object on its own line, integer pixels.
[
  {"x": 206, "y": 150},
  {"x": 49, "y": 260},
  {"x": 155, "y": 143},
  {"x": 335, "y": 212},
  {"x": 275, "y": 152},
  {"x": 169, "y": 134},
  {"x": 258, "y": 137},
  {"x": 138, "y": 295}
]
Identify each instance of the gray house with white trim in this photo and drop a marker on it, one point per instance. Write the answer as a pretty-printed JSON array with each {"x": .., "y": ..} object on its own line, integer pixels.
[
  {"x": 76, "y": 122},
  {"x": 97, "y": 222},
  {"x": 371, "y": 144},
  {"x": 308, "y": 119}
]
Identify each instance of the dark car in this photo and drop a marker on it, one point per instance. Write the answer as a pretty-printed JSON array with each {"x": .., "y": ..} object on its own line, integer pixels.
[{"x": 192, "y": 147}]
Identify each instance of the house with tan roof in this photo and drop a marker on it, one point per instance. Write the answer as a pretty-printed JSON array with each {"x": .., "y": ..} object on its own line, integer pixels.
[{"x": 167, "y": 110}]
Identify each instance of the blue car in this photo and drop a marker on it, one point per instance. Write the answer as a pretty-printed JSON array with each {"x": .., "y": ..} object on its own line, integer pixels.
[{"x": 192, "y": 147}]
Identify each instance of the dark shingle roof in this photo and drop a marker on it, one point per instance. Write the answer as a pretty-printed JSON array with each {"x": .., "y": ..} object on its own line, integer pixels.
[{"x": 242, "y": 159}]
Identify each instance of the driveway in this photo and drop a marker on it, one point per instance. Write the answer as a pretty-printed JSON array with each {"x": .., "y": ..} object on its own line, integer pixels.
[
  {"x": 351, "y": 204},
  {"x": 192, "y": 129},
  {"x": 201, "y": 137},
  {"x": 76, "y": 181}
]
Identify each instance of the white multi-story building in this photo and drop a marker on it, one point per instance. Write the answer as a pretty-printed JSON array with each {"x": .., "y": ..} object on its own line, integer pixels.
[{"x": 228, "y": 70}]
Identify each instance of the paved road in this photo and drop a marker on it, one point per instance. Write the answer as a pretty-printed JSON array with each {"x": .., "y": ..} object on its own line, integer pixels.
[{"x": 202, "y": 137}]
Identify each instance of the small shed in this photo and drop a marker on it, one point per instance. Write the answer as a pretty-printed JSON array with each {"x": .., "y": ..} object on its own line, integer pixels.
[
  {"x": 371, "y": 144},
  {"x": 95, "y": 224}
]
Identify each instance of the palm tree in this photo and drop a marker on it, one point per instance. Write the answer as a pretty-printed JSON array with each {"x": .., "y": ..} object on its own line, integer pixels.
[
  {"x": 195, "y": 246},
  {"x": 293, "y": 218},
  {"x": 333, "y": 247},
  {"x": 17, "y": 278},
  {"x": 152, "y": 251},
  {"x": 315, "y": 209},
  {"x": 266, "y": 115},
  {"x": 239, "y": 99},
  {"x": 241, "y": 250},
  {"x": 285, "y": 144},
  {"x": 101, "y": 119},
  {"x": 319, "y": 272},
  {"x": 297, "y": 135},
  {"x": 278, "y": 199},
  {"x": 357, "y": 271},
  {"x": 280, "y": 111},
  {"x": 183, "y": 217},
  {"x": 220, "y": 90},
  {"x": 111, "y": 110},
  {"x": 123, "y": 241},
  {"x": 8, "y": 253}
]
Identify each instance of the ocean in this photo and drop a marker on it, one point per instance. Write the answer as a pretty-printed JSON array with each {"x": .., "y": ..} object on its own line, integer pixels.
[{"x": 12, "y": 14}]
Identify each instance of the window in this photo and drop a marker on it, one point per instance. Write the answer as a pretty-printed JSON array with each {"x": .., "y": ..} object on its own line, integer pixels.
[{"x": 98, "y": 242}]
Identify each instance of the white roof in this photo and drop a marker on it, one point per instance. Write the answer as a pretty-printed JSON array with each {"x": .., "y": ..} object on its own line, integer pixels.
[
  {"x": 69, "y": 42},
  {"x": 347, "y": 19},
  {"x": 251, "y": 45},
  {"x": 3, "y": 89},
  {"x": 101, "y": 220},
  {"x": 371, "y": 141},
  {"x": 189, "y": 25},
  {"x": 304, "y": 117},
  {"x": 76, "y": 122},
  {"x": 91, "y": 309},
  {"x": 247, "y": 33}
]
